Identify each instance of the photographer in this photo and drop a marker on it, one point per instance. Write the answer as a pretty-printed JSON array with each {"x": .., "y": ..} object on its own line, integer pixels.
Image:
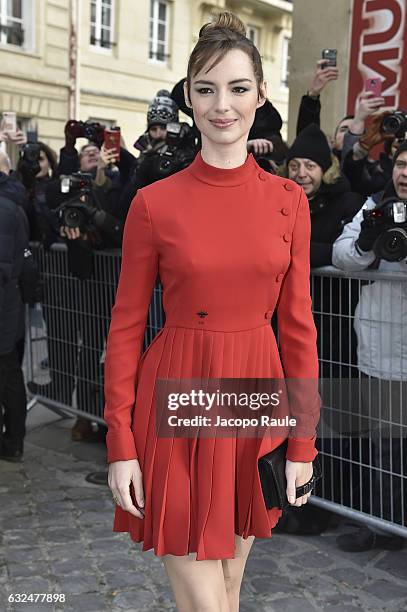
[
  {"x": 70, "y": 161},
  {"x": 365, "y": 174},
  {"x": 26, "y": 186},
  {"x": 84, "y": 205},
  {"x": 37, "y": 167},
  {"x": 166, "y": 147},
  {"x": 376, "y": 239}
]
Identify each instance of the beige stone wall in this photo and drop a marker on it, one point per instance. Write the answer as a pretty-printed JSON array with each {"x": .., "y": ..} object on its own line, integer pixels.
[
  {"x": 318, "y": 24},
  {"x": 36, "y": 84},
  {"x": 118, "y": 85}
]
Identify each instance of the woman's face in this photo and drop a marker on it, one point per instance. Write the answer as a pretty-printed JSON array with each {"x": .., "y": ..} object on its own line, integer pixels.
[
  {"x": 225, "y": 99},
  {"x": 306, "y": 173},
  {"x": 44, "y": 165}
]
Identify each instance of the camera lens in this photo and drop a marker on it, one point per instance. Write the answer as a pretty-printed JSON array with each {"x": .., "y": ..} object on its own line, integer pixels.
[
  {"x": 73, "y": 217},
  {"x": 392, "y": 245},
  {"x": 391, "y": 124}
]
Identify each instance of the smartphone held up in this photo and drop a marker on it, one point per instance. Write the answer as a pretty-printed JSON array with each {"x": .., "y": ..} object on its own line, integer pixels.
[
  {"x": 330, "y": 57},
  {"x": 112, "y": 138},
  {"x": 374, "y": 86},
  {"x": 9, "y": 122}
]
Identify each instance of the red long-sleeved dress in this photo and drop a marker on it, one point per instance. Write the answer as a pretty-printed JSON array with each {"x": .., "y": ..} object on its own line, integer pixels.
[{"x": 233, "y": 243}]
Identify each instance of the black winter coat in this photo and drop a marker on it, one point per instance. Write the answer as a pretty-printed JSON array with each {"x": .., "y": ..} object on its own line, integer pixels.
[
  {"x": 13, "y": 242},
  {"x": 331, "y": 208},
  {"x": 334, "y": 300},
  {"x": 368, "y": 176}
]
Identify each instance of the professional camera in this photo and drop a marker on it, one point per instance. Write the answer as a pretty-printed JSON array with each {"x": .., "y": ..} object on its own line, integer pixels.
[
  {"x": 29, "y": 164},
  {"x": 396, "y": 124},
  {"x": 31, "y": 153},
  {"x": 391, "y": 245},
  {"x": 94, "y": 132},
  {"x": 80, "y": 210},
  {"x": 177, "y": 153}
]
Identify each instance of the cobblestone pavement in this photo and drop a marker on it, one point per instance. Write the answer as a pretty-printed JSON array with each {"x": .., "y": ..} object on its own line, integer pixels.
[{"x": 56, "y": 537}]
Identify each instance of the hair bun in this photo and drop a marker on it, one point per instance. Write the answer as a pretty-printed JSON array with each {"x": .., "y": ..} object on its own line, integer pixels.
[{"x": 224, "y": 20}]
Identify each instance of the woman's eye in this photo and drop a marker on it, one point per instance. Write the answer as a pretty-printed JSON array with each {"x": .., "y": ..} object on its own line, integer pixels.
[
  {"x": 241, "y": 89},
  {"x": 203, "y": 90}
]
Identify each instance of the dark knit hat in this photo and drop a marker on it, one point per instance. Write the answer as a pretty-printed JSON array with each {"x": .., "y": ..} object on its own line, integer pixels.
[
  {"x": 267, "y": 121},
  {"x": 312, "y": 143},
  {"x": 400, "y": 149},
  {"x": 162, "y": 110},
  {"x": 177, "y": 94}
]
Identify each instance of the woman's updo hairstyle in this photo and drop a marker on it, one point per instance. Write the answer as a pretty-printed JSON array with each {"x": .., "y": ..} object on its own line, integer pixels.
[{"x": 218, "y": 37}]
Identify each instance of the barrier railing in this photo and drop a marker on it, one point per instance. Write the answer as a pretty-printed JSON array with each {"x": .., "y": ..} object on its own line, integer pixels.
[
  {"x": 361, "y": 320},
  {"x": 362, "y": 431}
]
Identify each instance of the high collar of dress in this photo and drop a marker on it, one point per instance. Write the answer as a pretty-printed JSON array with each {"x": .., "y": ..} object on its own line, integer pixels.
[{"x": 223, "y": 177}]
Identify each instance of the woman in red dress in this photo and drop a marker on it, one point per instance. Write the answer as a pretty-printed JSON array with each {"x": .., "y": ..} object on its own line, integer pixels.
[{"x": 231, "y": 245}]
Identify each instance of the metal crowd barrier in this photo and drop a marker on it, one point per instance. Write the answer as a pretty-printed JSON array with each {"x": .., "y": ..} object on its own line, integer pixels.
[
  {"x": 362, "y": 434},
  {"x": 364, "y": 474}
]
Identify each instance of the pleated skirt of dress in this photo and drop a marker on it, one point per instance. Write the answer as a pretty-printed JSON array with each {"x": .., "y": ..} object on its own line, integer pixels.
[{"x": 200, "y": 492}]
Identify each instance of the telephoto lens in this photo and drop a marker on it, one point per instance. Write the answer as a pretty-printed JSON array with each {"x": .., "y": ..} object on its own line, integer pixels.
[{"x": 396, "y": 124}]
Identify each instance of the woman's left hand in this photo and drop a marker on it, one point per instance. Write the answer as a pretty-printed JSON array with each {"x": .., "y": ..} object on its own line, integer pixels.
[{"x": 297, "y": 474}]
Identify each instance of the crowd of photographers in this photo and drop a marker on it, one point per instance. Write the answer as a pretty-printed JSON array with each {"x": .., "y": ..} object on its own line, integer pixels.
[{"x": 358, "y": 222}]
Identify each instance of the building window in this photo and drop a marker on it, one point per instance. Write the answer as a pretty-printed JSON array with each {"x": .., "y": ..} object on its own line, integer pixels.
[
  {"x": 285, "y": 59},
  {"x": 101, "y": 23},
  {"x": 253, "y": 32},
  {"x": 16, "y": 23},
  {"x": 159, "y": 27}
]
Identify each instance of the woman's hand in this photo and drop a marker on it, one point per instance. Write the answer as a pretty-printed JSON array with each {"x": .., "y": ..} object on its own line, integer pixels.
[
  {"x": 297, "y": 474},
  {"x": 121, "y": 474}
]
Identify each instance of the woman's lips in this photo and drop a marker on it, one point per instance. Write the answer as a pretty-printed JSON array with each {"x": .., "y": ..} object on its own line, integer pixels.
[{"x": 223, "y": 124}]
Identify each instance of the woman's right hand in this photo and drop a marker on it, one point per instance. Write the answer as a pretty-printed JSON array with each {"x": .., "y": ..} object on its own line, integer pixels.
[{"x": 121, "y": 474}]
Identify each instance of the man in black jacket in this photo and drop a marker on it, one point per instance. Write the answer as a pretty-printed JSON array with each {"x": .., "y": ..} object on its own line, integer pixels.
[
  {"x": 313, "y": 166},
  {"x": 75, "y": 335},
  {"x": 13, "y": 248}
]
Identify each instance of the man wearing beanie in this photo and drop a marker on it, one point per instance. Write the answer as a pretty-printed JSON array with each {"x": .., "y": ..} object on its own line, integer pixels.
[
  {"x": 332, "y": 204},
  {"x": 162, "y": 110},
  {"x": 311, "y": 143},
  {"x": 311, "y": 165},
  {"x": 380, "y": 324}
]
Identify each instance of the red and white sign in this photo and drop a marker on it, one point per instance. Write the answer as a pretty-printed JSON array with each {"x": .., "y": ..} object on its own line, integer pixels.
[{"x": 379, "y": 50}]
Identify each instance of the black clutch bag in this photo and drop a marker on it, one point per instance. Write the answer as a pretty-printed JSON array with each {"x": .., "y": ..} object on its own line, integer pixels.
[{"x": 273, "y": 479}]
